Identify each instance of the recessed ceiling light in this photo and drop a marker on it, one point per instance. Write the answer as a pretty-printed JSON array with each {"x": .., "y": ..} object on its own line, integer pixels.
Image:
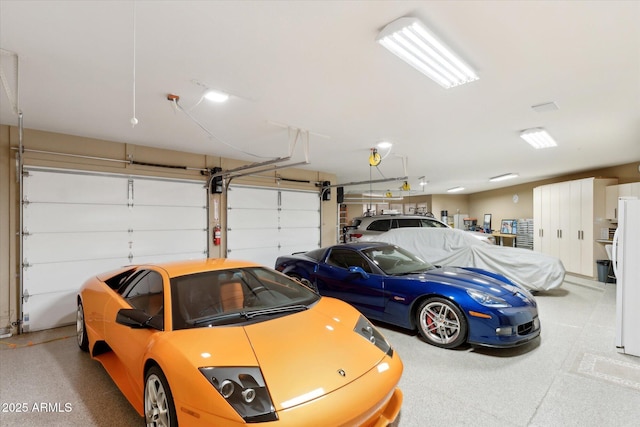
[
  {"x": 503, "y": 177},
  {"x": 216, "y": 96},
  {"x": 538, "y": 138},
  {"x": 455, "y": 189},
  {"x": 384, "y": 144}
]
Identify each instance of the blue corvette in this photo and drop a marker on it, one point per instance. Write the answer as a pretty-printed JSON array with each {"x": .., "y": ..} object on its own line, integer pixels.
[{"x": 449, "y": 306}]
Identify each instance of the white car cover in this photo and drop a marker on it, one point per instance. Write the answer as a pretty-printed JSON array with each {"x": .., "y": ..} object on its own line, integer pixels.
[{"x": 454, "y": 247}]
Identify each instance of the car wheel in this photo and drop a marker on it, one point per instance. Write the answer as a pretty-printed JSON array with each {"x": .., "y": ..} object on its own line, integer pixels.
[
  {"x": 159, "y": 409},
  {"x": 304, "y": 281},
  {"x": 441, "y": 323},
  {"x": 81, "y": 329}
]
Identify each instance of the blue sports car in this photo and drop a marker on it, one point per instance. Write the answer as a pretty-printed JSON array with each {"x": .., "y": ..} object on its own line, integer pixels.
[{"x": 449, "y": 306}]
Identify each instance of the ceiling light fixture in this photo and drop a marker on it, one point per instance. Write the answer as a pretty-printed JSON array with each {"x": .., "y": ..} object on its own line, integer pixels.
[
  {"x": 412, "y": 42},
  {"x": 455, "y": 189},
  {"x": 216, "y": 96},
  {"x": 503, "y": 177},
  {"x": 423, "y": 182},
  {"x": 538, "y": 138}
]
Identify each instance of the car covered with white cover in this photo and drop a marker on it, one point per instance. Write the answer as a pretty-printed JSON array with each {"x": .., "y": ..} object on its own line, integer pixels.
[{"x": 449, "y": 246}]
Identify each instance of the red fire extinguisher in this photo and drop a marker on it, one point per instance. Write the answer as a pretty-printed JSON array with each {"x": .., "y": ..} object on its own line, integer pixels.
[{"x": 216, "y": 235}]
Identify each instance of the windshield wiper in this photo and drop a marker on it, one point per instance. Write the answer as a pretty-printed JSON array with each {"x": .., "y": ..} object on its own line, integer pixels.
[
  {"x": 245, "y": 315},
  {"x": 406, "y": 273},
  {"x": 217, "y": 318},
  {"x": 275, "y": 310}
]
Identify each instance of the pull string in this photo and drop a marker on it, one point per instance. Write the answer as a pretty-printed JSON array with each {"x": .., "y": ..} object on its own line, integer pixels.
[{"x": 134, "y": 120}]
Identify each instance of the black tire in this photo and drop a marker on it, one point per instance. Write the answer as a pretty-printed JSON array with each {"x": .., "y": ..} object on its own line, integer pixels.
[
  {"x": 304, "y": 281},
  {"x": 81, "y": 329},
  {"x": 441, "y": 323},
  {"x": 159, "y": 409}
]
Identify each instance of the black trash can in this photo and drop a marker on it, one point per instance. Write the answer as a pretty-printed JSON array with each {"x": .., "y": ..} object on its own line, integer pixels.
[{"x": 603, "y": 270}]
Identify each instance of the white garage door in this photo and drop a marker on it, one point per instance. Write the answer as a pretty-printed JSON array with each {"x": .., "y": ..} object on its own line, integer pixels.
[
  {"x": 264, "y": 223},
  {"x": 77, "y": 225}
]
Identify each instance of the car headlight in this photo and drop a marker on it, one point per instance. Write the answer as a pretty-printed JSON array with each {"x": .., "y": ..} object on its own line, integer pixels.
[
  {"x": 486, "y": 299},
  {"x": 244, "y": 388},
  {"x": 365, "y": 329}
]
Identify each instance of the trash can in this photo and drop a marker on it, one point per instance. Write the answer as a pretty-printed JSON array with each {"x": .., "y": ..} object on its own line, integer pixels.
[{"x": 603, "y": 270}]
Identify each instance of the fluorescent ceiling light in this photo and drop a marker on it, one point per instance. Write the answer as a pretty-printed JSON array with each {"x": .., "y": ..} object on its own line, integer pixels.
[
  {"x": 216, "y": 96},
  {"x": 538, "y": 138},
  {"x": 503, "y": 177},
  {"x": 410, "y": 40},
  {"x": 455, "y": 189}
]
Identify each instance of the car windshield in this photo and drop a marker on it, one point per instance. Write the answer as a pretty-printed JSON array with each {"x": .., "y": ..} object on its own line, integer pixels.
[
  {"x": 396, "y": 261},
  {"x": 236, "y": 295}
]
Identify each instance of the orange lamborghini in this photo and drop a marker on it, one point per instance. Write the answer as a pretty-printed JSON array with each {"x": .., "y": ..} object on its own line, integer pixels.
[{"x": 227, "y": 343}]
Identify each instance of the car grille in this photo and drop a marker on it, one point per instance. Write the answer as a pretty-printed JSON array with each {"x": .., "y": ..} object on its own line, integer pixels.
[{"x": 525, "y": 328}]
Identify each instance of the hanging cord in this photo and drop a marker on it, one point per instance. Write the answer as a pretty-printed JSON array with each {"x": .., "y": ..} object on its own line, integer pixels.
[
  {"x": 134, "y": 120},
  {"x": 179, "y": 107},
  {"x": 13, "y": 100}
]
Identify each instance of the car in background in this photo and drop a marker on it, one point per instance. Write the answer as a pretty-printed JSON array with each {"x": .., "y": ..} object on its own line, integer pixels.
[
  {"x": 449, "y": 306},
  {"x": 366, "y": 227},
  {"x": 451, "y": 247},
  {"x": 230, "y": 343}
]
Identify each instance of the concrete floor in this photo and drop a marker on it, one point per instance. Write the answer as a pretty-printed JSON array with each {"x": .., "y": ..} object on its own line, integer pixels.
[{"x": 571, "y": 376}]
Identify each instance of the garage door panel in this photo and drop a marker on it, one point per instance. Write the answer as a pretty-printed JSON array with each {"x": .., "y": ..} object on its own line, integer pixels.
[
  {"x": 170, "y": 242},
  {"x": 48, "y": 186},
  {"x": 165, "y": 193},
  {"x": 265, "y": 223},
  {"x": 239, "y": 219},
  {"x": 298, "y": 200},
  {"x": 64, "y": 247},
  {"x": 167, "y": 217},
  {"x": 60, "y": 309},
  {"x": 259, "y": 238},
  {"x": 55, "y": 217},
  {"x": 306, "y": 236},
  {"x": 42, "y": 279},
  {"x": 249, "y": 198},
  {"x": 295, "y": 219},
  {"x": 80, "y": 225},
  {"x": 263, "y": 256}
]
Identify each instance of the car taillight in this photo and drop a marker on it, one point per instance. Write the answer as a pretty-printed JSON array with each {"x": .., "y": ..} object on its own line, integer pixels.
[{"x": 356, "y": 235}]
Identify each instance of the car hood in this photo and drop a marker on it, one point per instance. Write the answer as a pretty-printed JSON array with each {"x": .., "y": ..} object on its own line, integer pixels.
[
  {"x": 300, "y": 355},
  {"x": 473, "y": 278}
]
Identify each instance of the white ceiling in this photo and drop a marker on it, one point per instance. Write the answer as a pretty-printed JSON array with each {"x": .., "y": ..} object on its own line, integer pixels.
[{"x": 315, "y": 65}]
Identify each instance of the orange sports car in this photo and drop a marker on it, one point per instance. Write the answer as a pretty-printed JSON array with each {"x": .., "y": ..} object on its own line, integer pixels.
[{"x": 226, "y": 343}]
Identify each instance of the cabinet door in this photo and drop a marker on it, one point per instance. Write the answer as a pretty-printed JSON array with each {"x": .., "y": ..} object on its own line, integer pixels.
[
  {"x": 611, "y": 202},
  {"x": 587, "y": 216}
]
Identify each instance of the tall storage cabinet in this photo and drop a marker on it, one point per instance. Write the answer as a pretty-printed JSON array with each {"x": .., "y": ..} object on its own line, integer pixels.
[{"x": 567, "y": 219}]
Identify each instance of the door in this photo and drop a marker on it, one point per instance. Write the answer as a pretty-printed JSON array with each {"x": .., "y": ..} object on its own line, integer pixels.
[
  {"x": 363, "y": 289},
  {"x": 264, "y": 223},
  {"x": 78, "y": 224}
]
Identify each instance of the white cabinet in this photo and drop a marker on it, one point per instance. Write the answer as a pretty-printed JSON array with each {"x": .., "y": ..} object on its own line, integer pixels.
[
  {"x": 568, "y": 217},
  {"x": 631, "y": 189}
]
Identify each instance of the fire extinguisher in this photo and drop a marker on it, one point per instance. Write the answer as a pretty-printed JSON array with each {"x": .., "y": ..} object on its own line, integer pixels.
[{"x": 216, "y": 235}]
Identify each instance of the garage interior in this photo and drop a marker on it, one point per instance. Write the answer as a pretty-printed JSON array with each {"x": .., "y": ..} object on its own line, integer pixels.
[{"x": 111, "y": 154}]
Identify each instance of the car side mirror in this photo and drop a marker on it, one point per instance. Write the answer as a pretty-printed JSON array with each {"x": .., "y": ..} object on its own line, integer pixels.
[
  {"x": 358, "y": 270},
  {"x": 139, "y": 319}
]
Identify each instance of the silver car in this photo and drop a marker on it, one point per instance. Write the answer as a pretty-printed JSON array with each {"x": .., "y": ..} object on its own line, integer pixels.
[{"x": 365, "y": 227}]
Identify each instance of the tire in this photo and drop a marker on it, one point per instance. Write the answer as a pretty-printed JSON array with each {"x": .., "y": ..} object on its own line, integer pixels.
[
  {"x": 441, "y": 323},
  {"x": 159, "y": 409},
  {"x": 81, "y": 329},
  {"x": 304, "y": 281}
]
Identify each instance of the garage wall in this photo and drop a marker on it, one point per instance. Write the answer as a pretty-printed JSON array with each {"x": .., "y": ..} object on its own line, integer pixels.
[{"x": 86, "y": 154}]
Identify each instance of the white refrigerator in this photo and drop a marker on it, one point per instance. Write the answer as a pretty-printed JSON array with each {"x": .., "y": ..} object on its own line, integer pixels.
[{"x": 626, "y": 264}]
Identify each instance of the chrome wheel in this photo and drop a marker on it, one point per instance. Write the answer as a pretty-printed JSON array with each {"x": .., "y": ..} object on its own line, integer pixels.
[
  {"x": 158, "y": 402},
  {"x": 81, "y": 332},
  {"x": 441, "y": 323}
]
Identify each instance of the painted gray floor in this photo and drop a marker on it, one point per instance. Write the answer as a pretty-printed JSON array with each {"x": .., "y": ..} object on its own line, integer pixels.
[{"x": 571, "y": 376}]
